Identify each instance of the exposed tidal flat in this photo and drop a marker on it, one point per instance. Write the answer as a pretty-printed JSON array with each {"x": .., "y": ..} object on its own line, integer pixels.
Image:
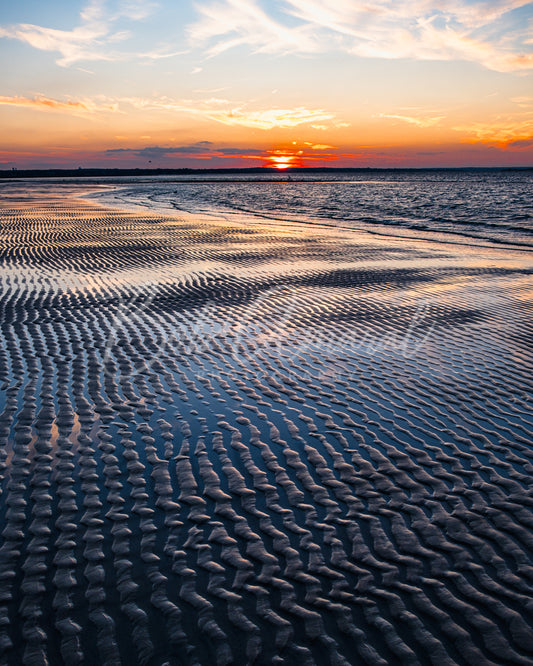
[{"x": 274, "y": 443}]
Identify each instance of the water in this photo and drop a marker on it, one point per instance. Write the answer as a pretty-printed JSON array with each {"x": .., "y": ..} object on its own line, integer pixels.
[{"x": 460, "y": 206}]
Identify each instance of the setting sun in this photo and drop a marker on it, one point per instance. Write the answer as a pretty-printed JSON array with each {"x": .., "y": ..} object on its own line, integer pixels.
[{"x": 283, "y": 160}]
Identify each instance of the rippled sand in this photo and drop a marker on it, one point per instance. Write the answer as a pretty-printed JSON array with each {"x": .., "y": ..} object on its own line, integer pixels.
[{"x": 260, "y": 444}]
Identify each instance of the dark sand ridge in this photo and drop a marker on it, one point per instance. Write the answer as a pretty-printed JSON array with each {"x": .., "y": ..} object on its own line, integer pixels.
[{"x": 264, "y": 444}]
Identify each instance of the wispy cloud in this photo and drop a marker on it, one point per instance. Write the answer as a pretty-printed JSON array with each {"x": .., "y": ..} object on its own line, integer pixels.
[
  {"x": 495, "y": 34},
  {"x": 91, "y": 39},
  {"x": 228, "y": 113},
  {"x": 419, "y": 121},
  {"x": 219, "y": 110},
  {"x": 512, "y": 131},
  {"x": 486, "y": 33},
  {"x": 523, "y": 101},
  {"x": 232, "y": 23},
  {"x": 41, "y": 103},
  {"x": 161, "y": 54},
  {"x": 270, "y": 118}
]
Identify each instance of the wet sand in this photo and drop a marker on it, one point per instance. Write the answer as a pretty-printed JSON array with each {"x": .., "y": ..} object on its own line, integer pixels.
[{"x": 264, "y": 443}]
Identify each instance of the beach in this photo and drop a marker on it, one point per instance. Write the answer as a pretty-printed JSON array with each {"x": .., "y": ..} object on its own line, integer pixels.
[{"x": 230, "y": 440}]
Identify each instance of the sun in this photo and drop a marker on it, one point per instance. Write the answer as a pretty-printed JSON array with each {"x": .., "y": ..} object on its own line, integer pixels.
[
  {"x": 282, "y": 162},
  {"x": 283, "y": 159}
]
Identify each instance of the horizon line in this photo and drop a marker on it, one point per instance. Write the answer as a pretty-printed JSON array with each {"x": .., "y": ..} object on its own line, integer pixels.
[{"x": 143, "y": 171}]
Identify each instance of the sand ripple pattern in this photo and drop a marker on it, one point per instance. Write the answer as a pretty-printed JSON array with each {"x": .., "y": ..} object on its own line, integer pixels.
[{"x": 226, "y": 445}]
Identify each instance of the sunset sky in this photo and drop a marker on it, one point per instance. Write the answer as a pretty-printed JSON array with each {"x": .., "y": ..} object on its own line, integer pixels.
[{"x": 223, "y": 83}]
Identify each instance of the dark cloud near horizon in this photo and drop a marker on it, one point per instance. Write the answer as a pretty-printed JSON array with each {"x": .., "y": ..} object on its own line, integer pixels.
[
  {"x": 198, "y": 148},
  {"x": 239, "y": 151},
  {"x": 521, "y": 143}
]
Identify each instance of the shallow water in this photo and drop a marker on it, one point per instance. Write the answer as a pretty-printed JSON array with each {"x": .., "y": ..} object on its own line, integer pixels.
[
  {"x": 460, "y": 206},
  {"x": 259, "y": 444}
]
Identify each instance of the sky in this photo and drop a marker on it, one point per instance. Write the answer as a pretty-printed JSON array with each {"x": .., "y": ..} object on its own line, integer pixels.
[{"x": 273, "y": 83}]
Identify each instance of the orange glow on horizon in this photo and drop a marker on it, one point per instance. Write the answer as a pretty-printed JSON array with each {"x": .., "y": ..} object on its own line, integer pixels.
[{"x": 160, "y": 152}]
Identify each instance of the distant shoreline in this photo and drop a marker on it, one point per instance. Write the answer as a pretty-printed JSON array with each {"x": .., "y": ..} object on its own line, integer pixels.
[{"x": 97, "y": 172}]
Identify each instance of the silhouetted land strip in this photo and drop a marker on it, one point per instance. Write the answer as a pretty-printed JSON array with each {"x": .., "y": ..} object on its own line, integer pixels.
[{"x": 91, "y": 173}]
